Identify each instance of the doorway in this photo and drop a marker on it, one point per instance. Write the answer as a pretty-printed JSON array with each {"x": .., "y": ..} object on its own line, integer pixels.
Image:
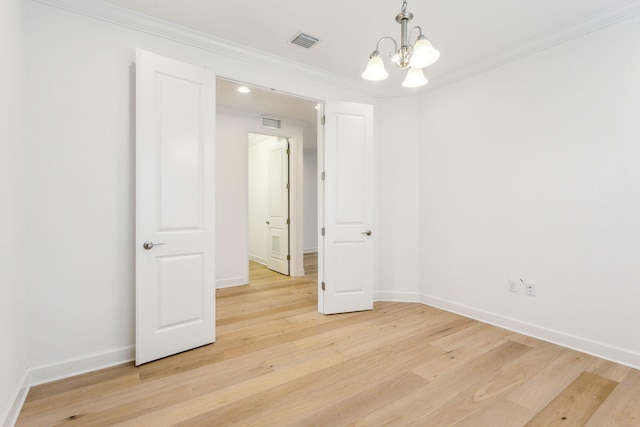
[
  {"x": 239, "y": 114},
  {"x": 269, "y": 202}
]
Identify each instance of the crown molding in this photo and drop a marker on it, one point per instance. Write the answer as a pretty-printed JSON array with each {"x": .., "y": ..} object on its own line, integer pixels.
[
  {"x": 157, "y": 27},
  {"x": 592, "y": 23}
]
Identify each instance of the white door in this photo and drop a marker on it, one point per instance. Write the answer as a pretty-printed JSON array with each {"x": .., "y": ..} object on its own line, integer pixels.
[
  {"x": 175, "y": 206},
  {"x": 278, "y": 222},
  {"x": 347, "y": 245}
]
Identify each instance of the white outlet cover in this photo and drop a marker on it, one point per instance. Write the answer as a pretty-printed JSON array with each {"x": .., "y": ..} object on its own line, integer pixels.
[{"x": 530, "y": 289}]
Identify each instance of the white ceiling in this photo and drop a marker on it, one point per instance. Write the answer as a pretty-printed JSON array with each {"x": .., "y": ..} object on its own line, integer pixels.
[
  {"x": 472, "y": 35},
  {"x": 261, "y": 101}
]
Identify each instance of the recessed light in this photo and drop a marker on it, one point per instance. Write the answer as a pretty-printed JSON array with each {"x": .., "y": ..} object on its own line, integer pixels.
[{"x": 243, "y": 89}]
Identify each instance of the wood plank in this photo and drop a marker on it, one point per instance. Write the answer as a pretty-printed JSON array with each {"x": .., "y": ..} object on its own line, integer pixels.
[
  {"x": 485, "y": 393},
  {"x": 502, "y": 413},
  {"x": 622, "y": 407},
  {"x": 575, "y": 404},
  {"x": 427, "y": 399},
  {"x": 359, "y": 405},
  {"x": 543, "y": 387}
]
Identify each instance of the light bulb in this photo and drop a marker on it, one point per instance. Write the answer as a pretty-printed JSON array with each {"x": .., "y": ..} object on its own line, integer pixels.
[
  {"x": 375, "y": 68},
  {"x": 415, "y": 78},
  {"x": 424, "y": 54}
]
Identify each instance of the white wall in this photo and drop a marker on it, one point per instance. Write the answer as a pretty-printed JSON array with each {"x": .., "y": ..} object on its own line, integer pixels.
[
  {"x": 14, "y": 189},
  {"x": 531, "y": 171},
  {"x": 231, "y": 200},
  {"x": 81, "y": 136},
  {"x": 397, "y": 180}
]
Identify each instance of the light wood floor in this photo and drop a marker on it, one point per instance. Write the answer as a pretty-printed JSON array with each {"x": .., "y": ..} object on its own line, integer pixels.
[{"x": 277, "y": 362}]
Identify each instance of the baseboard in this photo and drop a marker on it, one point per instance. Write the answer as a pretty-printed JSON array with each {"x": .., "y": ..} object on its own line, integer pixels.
[
  {"x": 310, "y": 250},
  {"x": 58, "y": 371},
  {"x": 258, "y": 259},
  {"x": 604, "y": 351},
  {"x": 233, "y": 281},
  {"x": 396, "y": 296},
  {"x": 18, "y": 402}
]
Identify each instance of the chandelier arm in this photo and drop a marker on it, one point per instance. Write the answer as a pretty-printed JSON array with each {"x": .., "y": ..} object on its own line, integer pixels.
[
  {"x": 395, "y": 44},
  {"x": 417, "y": 27}
]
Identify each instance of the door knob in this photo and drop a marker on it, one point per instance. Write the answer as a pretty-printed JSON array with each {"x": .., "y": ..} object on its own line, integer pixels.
[
  {"x": 368, "y": 232},
  {"x": 149, "y": 245}
]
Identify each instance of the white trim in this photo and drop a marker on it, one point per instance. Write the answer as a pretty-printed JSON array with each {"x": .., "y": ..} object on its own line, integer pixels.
[
  {"x": 258, "y": 259},
  {"x": 230, "y": 282},
  {"x": 147, "y": 24},
  {"x": 18, "y": 403},
  {"x": 310, "y": 250},
  {"x": 598, "y": 349},
  {"x": 130, "y": 19},
  {"x": 58, "y": 371},
  {"x": 393, "y": 296},
  {"x": 594, "y": 22}
]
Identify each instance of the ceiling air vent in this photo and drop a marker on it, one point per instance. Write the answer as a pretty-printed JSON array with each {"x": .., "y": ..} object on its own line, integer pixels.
[
  {"x": 304, "y": 40},
  {"x": 271, "y": 123}
]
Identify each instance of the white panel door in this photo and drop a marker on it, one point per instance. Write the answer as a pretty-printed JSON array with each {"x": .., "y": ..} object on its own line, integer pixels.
[
  {"x": 278, "y": 154},
  {"x": 175, "y": 206},
  {"x": 348, "y": 209}
]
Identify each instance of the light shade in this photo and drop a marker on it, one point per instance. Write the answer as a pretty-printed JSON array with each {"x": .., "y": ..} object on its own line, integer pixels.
[
  {"x": 415, "y": 78},
  {"x": 423, "y": 53},
  {"x": 375, "y": 68}
]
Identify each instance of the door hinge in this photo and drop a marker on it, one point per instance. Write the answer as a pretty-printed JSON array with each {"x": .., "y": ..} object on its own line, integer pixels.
[
  {"x": 287, "y": 185},
  {"x": 288, "y": 151},
  {"x": 322, "y": 231},
  {"x": 323, "y": 286},
  {"x": 287, "y": 221},
  {"x": 323, "y": 120},
  {"x": 288, "y": 257},
  {"x": 322, "y": 176}
]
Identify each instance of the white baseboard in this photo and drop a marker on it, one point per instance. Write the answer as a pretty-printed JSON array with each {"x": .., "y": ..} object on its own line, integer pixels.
[
  {"x": 604, "y": 351},
  {"x": 58, "y": 371},
  {"x": 258, "y": 259},
  {"x": 233, "y": 281},
  {"x": 397, "y": 296},
  {"x": 310, "y": 250},
  {"x": 69, "y": 368},
  {"x": 18, "y": 402}
]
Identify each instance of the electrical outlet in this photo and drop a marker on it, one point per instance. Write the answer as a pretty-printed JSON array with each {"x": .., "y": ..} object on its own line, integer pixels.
[
  {"x": 530, "y": 289},
  {"x": 512, "y": 285}
]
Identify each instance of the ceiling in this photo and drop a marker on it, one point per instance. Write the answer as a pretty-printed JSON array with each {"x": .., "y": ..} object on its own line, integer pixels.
[
  {"x": 472, "y": 35},
  {"x": 261, "y": 101}
]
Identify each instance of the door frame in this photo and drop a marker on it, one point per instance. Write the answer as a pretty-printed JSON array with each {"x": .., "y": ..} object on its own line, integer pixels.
[
  {"x": 296, "y": 227},
  {"x": 288, "y": 194}
]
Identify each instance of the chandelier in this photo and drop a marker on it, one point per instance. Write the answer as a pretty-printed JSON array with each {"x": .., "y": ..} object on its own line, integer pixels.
[{"x": 415, "y": 57}]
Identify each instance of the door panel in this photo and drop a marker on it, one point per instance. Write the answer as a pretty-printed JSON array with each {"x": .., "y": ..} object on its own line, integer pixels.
[
  {"x": 348, "y": 208},
  {"x": 175, "y": 206},
  {"x": 278, "y": 206}
]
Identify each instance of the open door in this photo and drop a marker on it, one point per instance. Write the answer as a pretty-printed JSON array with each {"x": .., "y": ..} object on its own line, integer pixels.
[
  {"x": 175, "y": 207},
  {"x": 347, "y": 237},
  {"x": 278, "y": 206}
]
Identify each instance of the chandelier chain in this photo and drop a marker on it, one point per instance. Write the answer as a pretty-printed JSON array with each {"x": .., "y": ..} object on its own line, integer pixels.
[{"x": 404, "y": 6}]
